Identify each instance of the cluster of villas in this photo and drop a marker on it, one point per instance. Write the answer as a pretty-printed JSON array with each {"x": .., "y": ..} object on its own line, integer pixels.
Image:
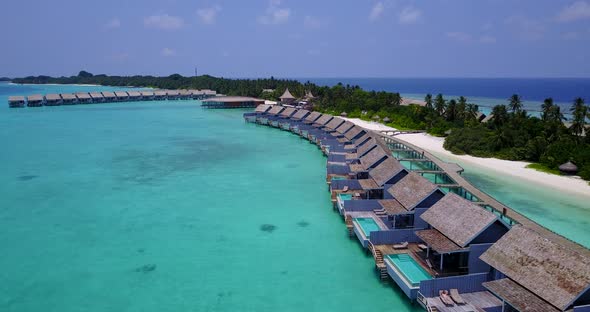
[
  {"x": 37, "y": 100},
  {"x": 443, "y": 247}
]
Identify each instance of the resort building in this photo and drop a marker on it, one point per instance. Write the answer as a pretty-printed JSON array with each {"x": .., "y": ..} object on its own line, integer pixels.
[
  {"x": 97, "y": 97},
  {"x": 231, "y": 102},
  {"x": 287, "y": 97},
  {"x": 147, "y": 95},
  {"x": 69, "y": 99},
  {"x": 134, "y": 96},
  {"x": 109, "y": 96},
  {"x": 16, "y": 101},
  {"x": 184, "y": 95},
  {"x": 84, "y": 98},
  {"x": 53, "y": 99},
  {"x": 173, "y": 94},
  {"x": 160, "y": 95},
  {"x": 122, "y": 96},
  {"x": 533, "y": 272},
  {"x": 35, "y": 100}
]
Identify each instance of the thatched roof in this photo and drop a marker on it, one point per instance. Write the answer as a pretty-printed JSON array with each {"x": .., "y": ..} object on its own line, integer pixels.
[
  {"x": 172, "y": 92},
  {"x": 288, "y": 112},
  {"x": 344, "y": 127},
  {"x": 181, "y": 92},
  {"x": 275, "y": 110},
  {"x": 458, "y": 219},
  {"x": 313, "y": 116},
  {"x": 68, "y": 96},
  {"x": 108, "y": 94},
  {"x": 134, "y": 94},
  {"x": 518, "y": 297},
  {"x": 488, "y": 118},
  {"x": 300, "y": 114},
  {"x": 147, "y": 93},
  {"x": 96, "y": 95},
  {"x": 286, "y": 95},
  {"x": 262, "y": 108},
  {"x": 386, "y": 170},
  {"x": 366, "y": 147},
  {"x": 324, "y": 119},
  {"x": 83, "y": 95},
  {"x": 209, "y": 92},
  {"x": 353, "y": 132},
  {"x": 568, "y": 167},
  {"x": 362, "y": 139},
  {"x": 437, "y": 241},
  {"x": 35, "y": 97},
  {"x": 232, "y": 99},
  {"x": 121, "y": 94},
  {"x": 376, "y": 117},
  {"x": 335, "y": 123},
  {"x": 309, "y": 95},
  {"x": 368, "y": 184},
  {"x": 356, "y": 167},
  {"x": 52, "y": 97},
  {"x": 16, "y": 98},
  {"x": 372, "y": 157},
  {"x": 411, "y": 190},
  {"x": 392, "y": 207},
  {"x": 406, "y": 102},
  {"x": 386, "y": 119},
  {"x": 343, "y": 114},
  {"x": 552, "y": 271},
  {"x": 160, "y": 92}
]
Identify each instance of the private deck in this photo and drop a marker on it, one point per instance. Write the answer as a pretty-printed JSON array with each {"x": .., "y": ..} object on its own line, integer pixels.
[{"x": 475, "y": 301}]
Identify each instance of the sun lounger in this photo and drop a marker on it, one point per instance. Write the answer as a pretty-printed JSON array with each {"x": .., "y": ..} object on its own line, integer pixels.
[
  {"x": 456, "y": 296},
  {"x": 444, "y": 297},
  {"x": 403, "y": 245},
  {"x": 345, "y": 188}
]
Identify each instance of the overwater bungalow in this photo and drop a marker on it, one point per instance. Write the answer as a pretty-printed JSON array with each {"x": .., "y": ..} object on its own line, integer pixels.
[
  {"x": 109, "y": 96},
  {"x": 317, "y": 126},
  {"x": 184, "y": 95},
  {"x": 174, "y": 95},
  {"x": 69, "y": 99},
  {"x": 122, "y": 96},
  {"x": 534, "y": 272},
  {"x": 307, "y": 123},
  {"x": 160, "y": 95},
  {"x": 264, "y": 119},
  {"x": 283, "y": 121},
  {"x": 135, "y": 96},
  {"x": 260, "y": 109},
  {"x": 147, "y": 95},
  {"x": 97, "y": 97},
  {"x": 35, "y": 100},
  {"x": 53, "y": 99},
  {"x": 297, "y": 120},
  {"x": 16, "y": 101},
  {"x": 231, "y": 102},
  {"x": 84, "y": 98}
]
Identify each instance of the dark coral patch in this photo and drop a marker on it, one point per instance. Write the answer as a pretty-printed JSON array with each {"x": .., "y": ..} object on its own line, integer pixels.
[
  {"x": 302, "y": 223},
  {"x": 146, "y": 268},
  {"x": 27, "y": 177},
  {"x": 268, "y": 228}
]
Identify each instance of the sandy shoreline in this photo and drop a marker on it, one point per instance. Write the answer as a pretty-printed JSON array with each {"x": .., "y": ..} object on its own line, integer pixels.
[{"x": 516, "y": 169}]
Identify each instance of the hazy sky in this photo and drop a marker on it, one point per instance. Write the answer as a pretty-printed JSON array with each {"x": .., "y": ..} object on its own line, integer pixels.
[{"x": 303, "y": 38}]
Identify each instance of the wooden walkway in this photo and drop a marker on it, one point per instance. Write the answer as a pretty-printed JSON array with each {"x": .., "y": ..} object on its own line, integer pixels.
[
  {"x": 482, "y": 299},
  {"x": 451, "y": 170}
]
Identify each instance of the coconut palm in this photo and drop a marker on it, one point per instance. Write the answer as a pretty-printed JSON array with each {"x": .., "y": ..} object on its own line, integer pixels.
[
  {"x": 500, "y": 115},
  {"x": 439, "y": 104},
  {"x": 428, "y": 100},
  {"x": 515, "y": 103},
  {"x": 472, "y": 110},
  {"x": 579, "y": 114},
  {"x": 546, "y": 108},
  {"x": 461, "y": 110},
  {"x": 451, "y": 112}
]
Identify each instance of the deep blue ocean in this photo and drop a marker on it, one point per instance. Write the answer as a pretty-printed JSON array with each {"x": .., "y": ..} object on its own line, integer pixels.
[{"x": 486, "y": 92}]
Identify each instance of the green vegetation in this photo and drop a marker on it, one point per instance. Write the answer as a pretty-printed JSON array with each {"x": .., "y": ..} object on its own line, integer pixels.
[
  {"x": 543, "y": 168},
  {"x": 510, "y": 134}
]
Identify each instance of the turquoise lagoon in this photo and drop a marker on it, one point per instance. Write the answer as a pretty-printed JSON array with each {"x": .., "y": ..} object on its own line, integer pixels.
[{"x": 164, "y": 206}]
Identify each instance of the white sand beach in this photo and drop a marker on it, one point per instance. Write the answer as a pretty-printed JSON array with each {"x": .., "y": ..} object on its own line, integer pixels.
[{"x": 572, "y": 185}]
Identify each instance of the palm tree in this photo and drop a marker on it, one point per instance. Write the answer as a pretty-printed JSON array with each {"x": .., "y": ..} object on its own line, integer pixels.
[
  {"x": 546, "y": 108},
  {"x": 500, "y": 115},
  {"x": 515, "y": 103},
  {"x": 461, "y": 108},
  {"x": 472, "y": 110},
  {"x": 579, "y": 113},
  {"x": 451, "y": 112},
  {"x": 439, "y": 104},
  {"x": 428, "y": 100}
]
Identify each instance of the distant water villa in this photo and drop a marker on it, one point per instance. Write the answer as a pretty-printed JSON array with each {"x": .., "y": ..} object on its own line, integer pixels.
[
  {"x": 38, "y": 100},
  {"x": 447, "y": 245}
]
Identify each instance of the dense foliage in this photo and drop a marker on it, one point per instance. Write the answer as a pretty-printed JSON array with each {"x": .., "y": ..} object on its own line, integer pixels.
[{"x": 511, "y": 133}]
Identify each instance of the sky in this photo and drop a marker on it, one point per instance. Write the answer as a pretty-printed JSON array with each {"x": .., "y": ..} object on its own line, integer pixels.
[{"x": 303, "y": 38}]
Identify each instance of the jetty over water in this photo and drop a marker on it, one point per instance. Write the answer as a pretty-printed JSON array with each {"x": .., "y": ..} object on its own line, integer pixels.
[
  {"x": 445, "y": 243},
  {"x": 95, "y": 97}
]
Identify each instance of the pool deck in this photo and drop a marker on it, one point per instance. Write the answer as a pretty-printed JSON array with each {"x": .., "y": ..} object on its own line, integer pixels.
[{"x": 481, "y": 299}]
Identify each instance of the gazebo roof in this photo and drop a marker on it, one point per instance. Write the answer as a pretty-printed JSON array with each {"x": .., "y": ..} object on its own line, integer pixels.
[
  {"x": 286, "y": 95},
  {"x": 569, "y": 167}
]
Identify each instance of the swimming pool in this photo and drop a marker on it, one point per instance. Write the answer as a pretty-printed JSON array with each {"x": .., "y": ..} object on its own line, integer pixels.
[
  {"x": 367, "y": 225},
  {"x": 411, "y": 270},
  {"x": 344, "y": 196}
]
